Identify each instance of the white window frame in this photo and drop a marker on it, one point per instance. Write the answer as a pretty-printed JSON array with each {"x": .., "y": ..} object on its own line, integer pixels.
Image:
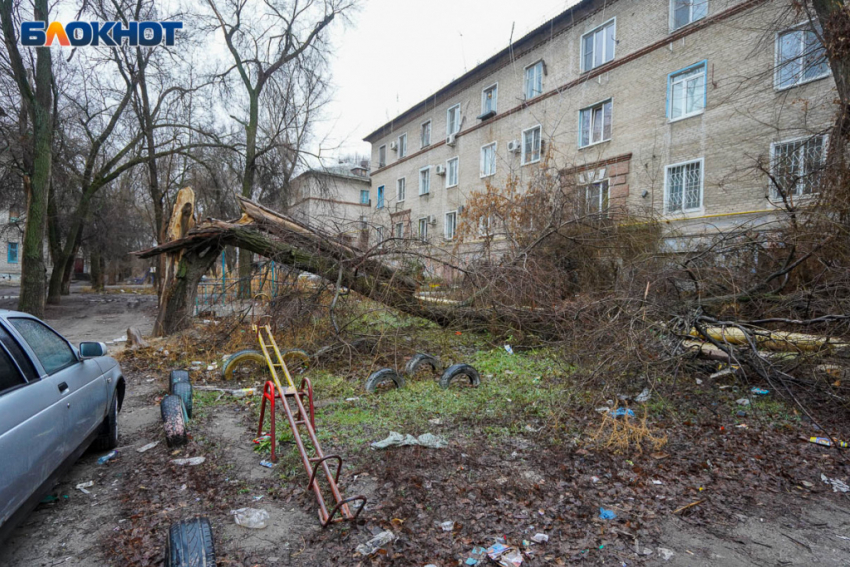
[
  {"x": 774, "y": 192},
  {"x": 379, "y": 231},
  {"x": 525, "y": 91},
  {"x": 382, "y": 150},
  {"x": 600, "y": 212},
  {"x": 672, "y": 81},
  {"x": 482, "y": 173},
  {"x": 422, "y": 170},
  {"x": 449, "y": 184},
  {"x": 495, "y": 88},
  {"x": 683, "y": 210},
  {"x": 423, "y": 234},
  {"x": 400, "y": 189},
  {"x": 396, "y": 232},
  {"x": 446, "y": 234},
  {"x": 523, "y": 160},
  {"x": 422, "y": 131},
  {"x": 402, "y": 145},
  {"x": 591, "y": 108},
  {"x": 672, "y": 11},
  {"x": 449, "y": 111},
  {"x": 777, "y": 63},
  {"x": 600, "y": 27}
]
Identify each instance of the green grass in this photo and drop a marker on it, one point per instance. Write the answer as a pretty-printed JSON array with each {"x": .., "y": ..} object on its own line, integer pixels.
[{"x": 205, "y": 400}]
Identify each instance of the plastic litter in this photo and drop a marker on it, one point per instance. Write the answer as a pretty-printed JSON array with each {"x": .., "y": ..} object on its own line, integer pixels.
[
  {"x": 504, "y": 555},
  {"x": 606, "y": 514},
  {"x": 395, "y": 439},
  {"x": 743, "y": 402},
  {"x": 666, "y": 554},
  {"x": 83, "y": 485},
  {"x": 261, "y": 438},
  {"x": 643, "y": 396},
  {"x": 267, "y": 464},
  {"x": 826, "y": 442},
  {"x": 373, "y": 545},
  {"x": 837, "y": 485},
  {"x": 107, "y": 457},
  {"x": 192, "y": 461},
  {"x": 508, "y": 349},
  {"x": 540, "y": 538},
  {"x": 253, "y": 518},
  {"x": 620, "y": 412},
  {"x": 147, "y": 447},
  {"x": 759, "y": 391},
  {"x": 52, "y": 498},
  {"x": 448, "y": 526},
  {"x": 243, "y": 392}
]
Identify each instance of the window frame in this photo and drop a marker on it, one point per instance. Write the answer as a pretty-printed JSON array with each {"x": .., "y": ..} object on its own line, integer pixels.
[
  {"x": 379, "y": 234},
  {"x": 382, "y": 152},
  {"x": 683, "y": 210},
  {"x": 600, "y": 213},
  {"x": 495, "y": 88},
  {"x": 17, "y": 249},
  {"x": 672, "y": 15},
  {"x": 380, "y": 197},
  {"x": 430, "y": 125},
  {"x": 365, "y": 193},
  {"x": 455, "y": 159},
  {"x": 777, "y": 63},
  {"x": 457, "y": 125},
  {"x": 542, "y": 65},
  {"x": 422, "y": 235},
  {"x": 590, "y": 108},
  {"x": 33, "y": 354},
  {"x": 670, "y": 82},
  {"x": 446, "y": 225},
  {"x": 482, "y": 174},
  {"x": 402, "y": 146},
  {"x": 522, "y": 160},
  {"x": 422, "y": 170},
  {"x": 773, "y": 193},
  {"x": 396, "y": 232},
  {"x": 582, "y": 52},
  {"x": 400, "y": 189}
]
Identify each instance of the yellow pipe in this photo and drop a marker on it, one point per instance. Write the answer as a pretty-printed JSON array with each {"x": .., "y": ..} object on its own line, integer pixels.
[{"x": 771, "y": 340}]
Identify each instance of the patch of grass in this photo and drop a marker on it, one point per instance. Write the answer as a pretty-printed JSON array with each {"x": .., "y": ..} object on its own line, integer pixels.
[{"x": 205, "y": 400}]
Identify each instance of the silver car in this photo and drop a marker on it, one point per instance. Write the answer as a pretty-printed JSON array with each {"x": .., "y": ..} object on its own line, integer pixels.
[{"x": 55, "y": 401}]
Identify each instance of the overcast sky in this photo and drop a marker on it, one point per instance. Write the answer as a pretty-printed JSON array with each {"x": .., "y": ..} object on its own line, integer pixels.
[{"x": 397, "y": 52}]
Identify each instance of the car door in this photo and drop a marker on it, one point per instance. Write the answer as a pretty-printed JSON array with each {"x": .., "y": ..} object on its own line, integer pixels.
[
  {"x": 80, "y": 382},
  {"x": 33, "y": 417}
]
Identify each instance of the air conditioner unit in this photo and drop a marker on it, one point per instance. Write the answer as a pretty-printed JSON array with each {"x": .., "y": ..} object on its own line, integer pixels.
[
  {"x": 394, "y": 146},
  {"x": 432, "y": 220},
  {"x": 441, "y": 170},
  {"x": 451, "y": 140},
  {"x": 460, "y": 210},
  {"x": 514, "y": 146}
]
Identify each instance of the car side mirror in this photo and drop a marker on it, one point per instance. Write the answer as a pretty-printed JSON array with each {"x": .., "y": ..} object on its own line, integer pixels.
[{"x": 92, "y": 349}]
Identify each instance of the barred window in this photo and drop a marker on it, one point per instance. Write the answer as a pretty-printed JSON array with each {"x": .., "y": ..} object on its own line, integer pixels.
[
  {"x": 796, "y": 165},
  {"x": 683, "y": 187}
]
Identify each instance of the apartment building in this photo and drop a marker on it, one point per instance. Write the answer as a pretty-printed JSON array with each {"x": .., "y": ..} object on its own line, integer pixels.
[
  {"x": 673, "y": 106},
  {"x": 11, "y": 245}
]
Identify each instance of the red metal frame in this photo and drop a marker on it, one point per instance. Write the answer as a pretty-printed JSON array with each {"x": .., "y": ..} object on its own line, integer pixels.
[{"x": 270, "y": 395}]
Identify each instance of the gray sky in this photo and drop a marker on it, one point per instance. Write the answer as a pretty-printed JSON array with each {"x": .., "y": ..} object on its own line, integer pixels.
[{"x": 397, "y": 52}]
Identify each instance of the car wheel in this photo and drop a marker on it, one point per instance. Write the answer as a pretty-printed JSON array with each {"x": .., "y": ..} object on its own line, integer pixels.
[
  {"x": 108, "y": 437},
  {"x": 190, "y": 544},
  {"x": 383, "y": 376},
  {"x": 457, "y": 370},
  {"x": 184, "y": 391},
  {"x": 178, "y": 377},
  {"x": 173, "y": 418}
]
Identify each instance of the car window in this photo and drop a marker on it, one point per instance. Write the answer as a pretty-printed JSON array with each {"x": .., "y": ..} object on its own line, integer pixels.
[
  {"x": 10, "y": 376},
  {"x": 23, "y": 360},
  {"x": 51, "y": 350}
]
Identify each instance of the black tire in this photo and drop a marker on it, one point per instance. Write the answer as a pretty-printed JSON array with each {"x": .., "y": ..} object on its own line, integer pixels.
[
  {"x": 107, "y": 439},
  {"x": 184, "y": 391},
  {"x": 383, "y": 376},
  {"x": 174, "y": 421},
  {"x": 297, "y": 361},
  {"x": 190, "y": 544},
  {"x": 420, "y": 359},
  {"x": 177, "y": 377},
  {"x": 457, "y": 370}
]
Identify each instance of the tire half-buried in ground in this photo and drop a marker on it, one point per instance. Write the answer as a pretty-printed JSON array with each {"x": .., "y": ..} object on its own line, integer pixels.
[
  {"x": 184, "y": 391},
  {"x": 460, "y": 371},
  {"x": 173, "y": 420},
  {"x": 383, "y": 376},
  {"x": 421, "y": 359},
  {"x": 177, "y": 377},
  {"x": 190, "y": 544},
  {"x": 247, "y": 357}
]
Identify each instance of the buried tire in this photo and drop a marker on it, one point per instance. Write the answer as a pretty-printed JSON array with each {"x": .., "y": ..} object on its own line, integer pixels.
[
  {"x": 246, "y": 357},
  {"x": 190, "y": 544},
  {"x": 174, "y": 420},
  {"x": 460, "y": 371},
  {"x": 421, "y": 359},
  {"x": 177, "y": 377},
  {"x": 297, "y": 361},
  {"x": 184, "y": 391},
  {"x": 383, "y": 376}
]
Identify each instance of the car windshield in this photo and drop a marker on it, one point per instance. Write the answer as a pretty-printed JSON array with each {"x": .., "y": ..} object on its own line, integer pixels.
[{"x": 51, "y": 350}]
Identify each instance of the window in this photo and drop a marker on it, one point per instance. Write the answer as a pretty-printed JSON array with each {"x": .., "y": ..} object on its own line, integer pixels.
[
  {"x": 451, "y": 225},
  {"x": 452, "y": 172},
  {"x": 686, "y": 92},
  {"x": 796, "y": 165},
  {"x": 684, "y": 12},
  {"x": 800, "y": 58},
  {"x": 595, "y": 124},
  {"x": 24, "y": 362},
  {"x": 683, "y": 187},
  {"x": 399, "y": 189},
  {"x": 489, "y": 100},
  {"x": 534, "y": 80},
  {"x": 531, "y": 145},
  {"x": 364, "y": 196},
  {"x": 14, "y": 215},
  {"x": 453, "y": 120},
  {"x": 423, "y": 229},
  {"x": 10, "y": 376},
  {"x": 425, "y": 180},
  {"x": 12, "y": 252},
  {"x": 399, "y": 230},
  {"x": 425, "y": 134},
  {"x": 382, "y": 156},
  {"x": 380, "y": 199},
  {"x": 597, "y": 46},
  {"x": 488, "y": 160},
  {"x": 402, "y": 146},
  {"x": 596, "y": 198},
  {"x": 50, "y": 349},
  {"x": 380, "y": 233}
]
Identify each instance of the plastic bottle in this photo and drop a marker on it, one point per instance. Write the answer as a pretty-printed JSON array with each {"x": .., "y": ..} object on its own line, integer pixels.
[
  {"x": 251, "y": 518},
  {"x": 243, "y": 392},
  {"x": 110, "y": 455}
]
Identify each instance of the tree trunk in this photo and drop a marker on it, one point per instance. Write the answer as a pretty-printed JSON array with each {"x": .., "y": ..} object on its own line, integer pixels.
[
  {"x": 177, "y": 301},
  {"x": 96, "y": 262},
  {"x": 245, "y": 257}
]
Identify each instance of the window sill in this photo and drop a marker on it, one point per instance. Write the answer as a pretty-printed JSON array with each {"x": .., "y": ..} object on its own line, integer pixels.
[
  {"x": 451, "y": 186},
  {"x": 679, "y": 119},
  {"x": 428, "y": 194},
  {"x": 779, "y": 89},
  {"x": 684, "y": 215},
  {"x": 594, "y": 144},
  {"x": 487, "y": 115},
  {"x": 484, "y": 176},
  {"x": 532, "y": 162},
  {"x": 683, "y": 26}
]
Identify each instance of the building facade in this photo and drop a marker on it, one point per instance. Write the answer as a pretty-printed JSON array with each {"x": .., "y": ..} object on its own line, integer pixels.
[
  {"x": 11, "y": 245},
  {"x": 677, "y": 107}
]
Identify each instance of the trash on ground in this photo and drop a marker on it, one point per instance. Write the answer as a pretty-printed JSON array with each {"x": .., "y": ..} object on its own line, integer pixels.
[
  {"x": 759, "y": 391},
  {"x": 243, "y": 392},
  {"x": 729, "y": 370},
  {"x": 606, "y": 514},
  {"x": 354, "y": 399},
  {"x": 508, "y": 349},
  {"x": 620, "y": 412},
  {"x": 512, "y": 558},
  {"x": 594, "y": 479},
  {"x": 395, "y": 439},
  {"x": 83, "y": 485},
  {"x": 104, "y": 459},
  {"x": 666, "y": 554},
  {"x": 147, "y": 447},
  {"x": 253, "y": 518},
  {"x": 267, "y": 464},
  {"x": 743, "y": 402},
  {"x": 52, "y": 498},
  {"x": 435, "y": 421},
  {"x": 657, "y": 482},
  {"x": 837, "y": 485},
  {"x": 825, "y": 441},
  {"x": 191, "y": 461},
  {"x": 540, "y": 538},
  {"x": 643, "y": 396},
  {"x": 448, "y": 526},
  {"x": 373, "y": 545},
  {"x": 261, "y": 438}
]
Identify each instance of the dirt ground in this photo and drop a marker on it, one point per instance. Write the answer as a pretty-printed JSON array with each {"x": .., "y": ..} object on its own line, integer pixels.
[{"x": 771, "y": 509}]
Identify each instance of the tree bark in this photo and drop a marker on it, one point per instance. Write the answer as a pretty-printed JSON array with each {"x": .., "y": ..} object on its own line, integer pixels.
[{"x": 96, "y": 262}]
